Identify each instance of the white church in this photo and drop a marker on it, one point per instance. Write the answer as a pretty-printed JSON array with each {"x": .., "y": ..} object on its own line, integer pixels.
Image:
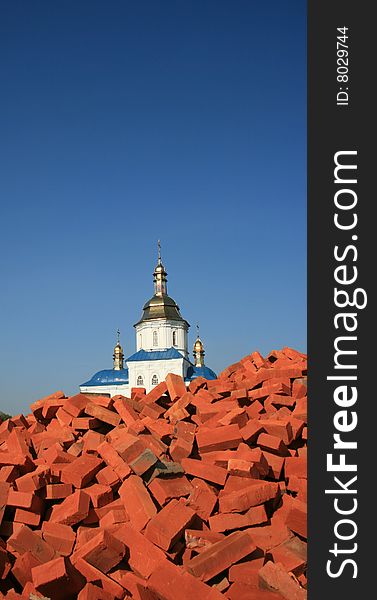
[{"x": 161, "y": 348}]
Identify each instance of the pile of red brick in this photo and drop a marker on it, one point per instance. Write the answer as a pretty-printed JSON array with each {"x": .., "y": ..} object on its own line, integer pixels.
[{"x": 172, "y": 495}]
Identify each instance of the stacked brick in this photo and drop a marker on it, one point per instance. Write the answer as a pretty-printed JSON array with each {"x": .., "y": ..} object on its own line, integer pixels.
[{"x": 180, "y": 493}]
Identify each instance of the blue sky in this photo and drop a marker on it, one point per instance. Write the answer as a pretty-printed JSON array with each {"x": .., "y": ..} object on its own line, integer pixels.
[{"x": 123, "y": 122}]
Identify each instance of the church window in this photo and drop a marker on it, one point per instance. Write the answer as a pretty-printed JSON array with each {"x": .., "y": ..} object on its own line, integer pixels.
[
  {"x": 154, "y": 380},
  {"x": 140, "y": 380},
  {"x": 155, "y": 338},
  {"x": 174, "y": 338}
]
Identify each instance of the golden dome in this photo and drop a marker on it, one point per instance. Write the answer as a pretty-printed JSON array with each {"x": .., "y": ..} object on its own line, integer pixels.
[
  {"x": 198, "y": 346},
  {"x": 118, "y": 349}
]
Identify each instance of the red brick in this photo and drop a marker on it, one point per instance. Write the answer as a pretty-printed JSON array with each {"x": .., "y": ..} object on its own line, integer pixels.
[
  {"x": 272, "y": 443},
  {"x": 292, "y": 555},
  {"x": 143, "y": 462},
  {"x": 103, "y": 414},
  {"x": 256, "y": 493},
  {"x": 37, "y": 406},
  {"x": 126, "y": 412},
  {"x": 63, "y": 417},
  {"x": 24, "y": 500},
  {"x": 9, "y": 474},
  {"x": 60, "y": 537},
  {"x": 251, "y": 431},
  {"x": 167, "y": 526},
  {"x": 200, "y": 469},
  {"x": 81, "y": 471},
  {"x": 128, "y": 446},
  {"x": 275, "y": 464},
  {"x": 93, "y": 575},
  {"x": 55, "y": 577},
  {"x": 168, "y": 578},
  {"x": 25, "y": 540},
  {"x": 196, "y": 384},
  {"x": 85, "y": 423},
  {"x": 202, "y": 499},
  {"x": 165, "y": 490},
  {"x": 152, "y": 410},
  {"x": 242, "y": 591},
  {"x": 297, "y": 521},
  {"x": 113, "y": 517},
  {"x": 257, "y": 515},
  {"x": 28, "y": 517},
  {"x": 50, "y": 407},
  {"x": 93, "y": 592},
  {"x": 137, "y": 502},
  {"x": 4, "y": 491},
  {"x": 72, "y": 510},
  {"x": 247, "y": 572},
  {"x": 107, "y": 476},
  {"x": 221, "y": 438},
  {"x": 134, "y": 586},
  {"x": 112, "y": 459},
  {"x": 180, "y": 449},
  {"x": 33, "y": 481},
  {"x": 144, "y": 557},
  {"x": 91, "y": 440},
  {"x": 296, "y": 466},
  {"x": 273, "y": 577},
  {"x": 197, "y": 538},
  {"x": 228, "y": 522},
  {"x": 100, "y": 495},
  {"x": 242, "y": 468},
  {"x": 269, "y": 536},
  {"x": 156, "y": 393},
  {"x": 103, "y": 551},
  {"x": 221, "y": 555},
  {"x": 175, "y": 386},
  {"x": 56, "y": 491},
  {"x": 22, "y": 567},
  {"x": 279, "y": 428},
  {"x": 75, "y": 405}
]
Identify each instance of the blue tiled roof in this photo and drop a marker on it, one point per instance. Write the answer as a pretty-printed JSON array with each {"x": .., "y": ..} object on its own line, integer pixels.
[
  {"x": 167, "y": 354},
  {"x": 206, "y": 372},
  {"x": 108, "y": 377}
]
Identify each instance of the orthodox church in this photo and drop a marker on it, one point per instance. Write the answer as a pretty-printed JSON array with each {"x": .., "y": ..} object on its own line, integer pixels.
[{"x": 161, "y": 348}]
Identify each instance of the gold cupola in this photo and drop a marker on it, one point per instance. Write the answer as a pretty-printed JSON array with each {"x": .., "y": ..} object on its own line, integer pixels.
[
  {"x": 161, "y": 306},
  {"x": 198, "y": 351},
  {"x": 118, "y": 355},
  {"x": 160, "y": 275}
]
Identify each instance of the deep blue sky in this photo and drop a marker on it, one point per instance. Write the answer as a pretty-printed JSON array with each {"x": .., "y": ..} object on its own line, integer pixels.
[{"x": 123, "y": 122}]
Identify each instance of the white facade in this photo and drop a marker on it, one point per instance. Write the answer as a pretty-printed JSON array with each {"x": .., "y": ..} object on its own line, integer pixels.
[
  {"x": 159, "y": 334},
  {"x": 106, "y": 390},
  {"x": 149, "y": 373}
]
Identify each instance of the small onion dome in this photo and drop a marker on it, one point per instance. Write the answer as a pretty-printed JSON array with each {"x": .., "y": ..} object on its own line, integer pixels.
[
  {"x": 198, "y": 346},
  {"x": 118, "y": 349},
  {"x": 160, "y": 268}
]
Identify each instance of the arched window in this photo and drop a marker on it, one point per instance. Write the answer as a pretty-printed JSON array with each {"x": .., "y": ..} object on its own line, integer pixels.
[
  {"x": 155, "y": 338},
  {"x": 140, "y": 380},
  {"x": 154, "y": 380},
  {"x": 174, "y": 338},
  {"x": 140, "y": 340}
]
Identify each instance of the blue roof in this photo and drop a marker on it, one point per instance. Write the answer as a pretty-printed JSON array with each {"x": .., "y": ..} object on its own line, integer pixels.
[
  {"x": 194, "y": 372},
  {"x": 167, "y": 354},
  {"x": 108, "y": 377}
]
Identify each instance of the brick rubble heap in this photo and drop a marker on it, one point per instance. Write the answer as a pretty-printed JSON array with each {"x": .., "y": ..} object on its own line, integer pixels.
[{"x": 171, "y": 495}]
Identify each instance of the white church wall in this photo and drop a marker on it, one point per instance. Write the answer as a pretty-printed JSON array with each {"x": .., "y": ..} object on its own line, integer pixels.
[
  {"x": 113, "y": 390},
  {"x": 147, "y": 369},
  {"x": 165, "y": 329}
]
